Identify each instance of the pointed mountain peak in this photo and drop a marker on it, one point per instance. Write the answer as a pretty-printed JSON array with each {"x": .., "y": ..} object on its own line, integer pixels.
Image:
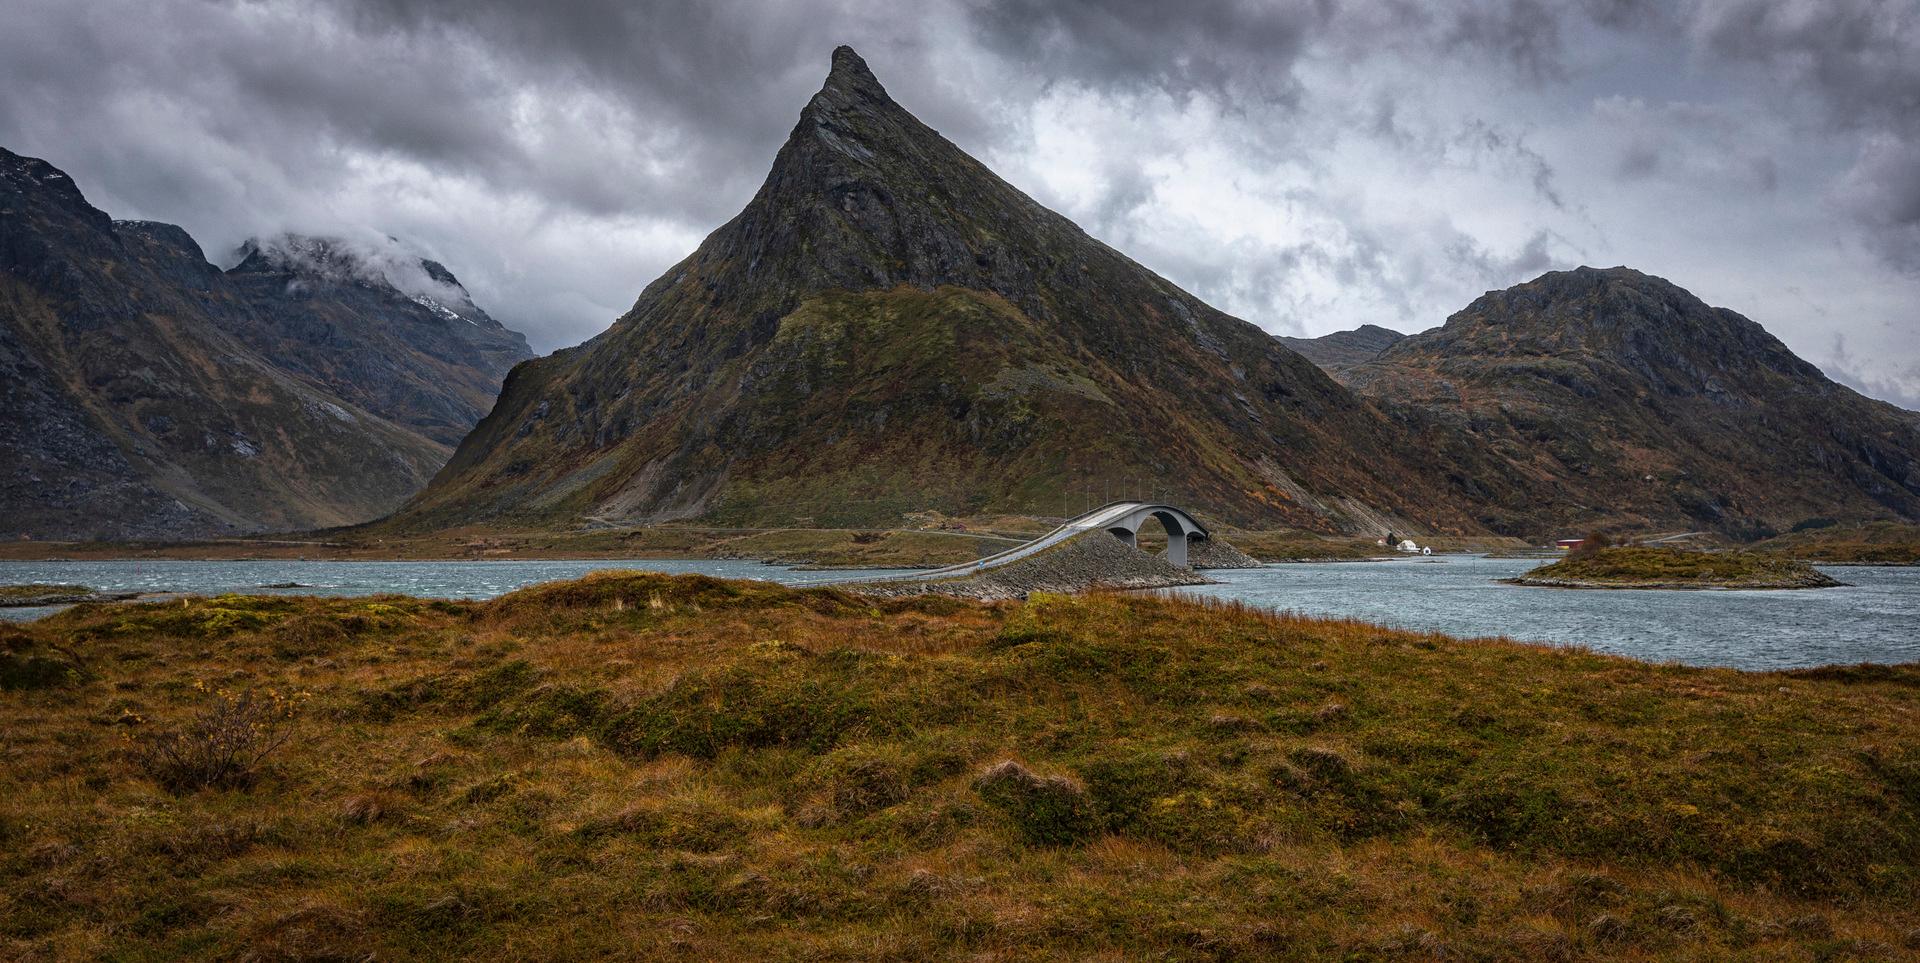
[
  {"x": 851, "y": 94},
  {"x": 879, "y": 198},
  {"x": 850, "y": 74}
]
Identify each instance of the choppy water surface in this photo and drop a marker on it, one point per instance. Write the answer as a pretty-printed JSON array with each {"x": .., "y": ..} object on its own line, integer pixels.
[{"x": 1876, "y": 618}]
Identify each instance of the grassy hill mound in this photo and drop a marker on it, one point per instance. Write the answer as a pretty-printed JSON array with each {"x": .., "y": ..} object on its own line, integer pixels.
[
  {"x": 728, "y": 769},
  {"x": 1673, "y": 568}
]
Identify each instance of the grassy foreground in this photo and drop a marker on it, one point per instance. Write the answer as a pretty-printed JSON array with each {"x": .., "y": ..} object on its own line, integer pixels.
[
  {"x": 679, "y": 766},
  {"x": 1640, "y": 567}
]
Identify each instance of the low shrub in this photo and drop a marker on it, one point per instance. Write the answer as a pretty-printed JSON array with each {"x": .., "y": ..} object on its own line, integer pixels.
[
  {"x": 27, "y": 671},
  {"x": 224, "y": 746}
]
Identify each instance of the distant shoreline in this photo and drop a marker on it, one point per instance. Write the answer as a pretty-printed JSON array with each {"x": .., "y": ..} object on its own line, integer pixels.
[{"x": 1571, "y": 584}]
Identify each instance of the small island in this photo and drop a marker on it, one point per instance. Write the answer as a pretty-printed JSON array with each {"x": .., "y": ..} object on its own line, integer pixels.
[
  {"x": 12, "y": 596},
  {"x": 1671, "y": 568}
]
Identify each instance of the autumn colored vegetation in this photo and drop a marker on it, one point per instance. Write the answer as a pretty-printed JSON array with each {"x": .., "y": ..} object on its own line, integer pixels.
[{"x": 645, "y": 765}]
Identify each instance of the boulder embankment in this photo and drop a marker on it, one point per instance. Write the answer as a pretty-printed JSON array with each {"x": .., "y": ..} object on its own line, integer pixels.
[
  {"x": 1206, "y": 553},
  {"x": 1091, "y": 561}
]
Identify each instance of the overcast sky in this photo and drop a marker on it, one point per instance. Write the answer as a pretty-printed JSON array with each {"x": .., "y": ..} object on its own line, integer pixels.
[{"x": 1309, "y": 165}]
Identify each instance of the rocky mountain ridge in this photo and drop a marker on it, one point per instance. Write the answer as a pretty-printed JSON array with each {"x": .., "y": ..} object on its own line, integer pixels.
[
  {"x": 1619, "y": 399},
  {"x": 1341, "y": 350},
  {"x": 137, "y": 406},
  {"x": 389, "y": 330}
]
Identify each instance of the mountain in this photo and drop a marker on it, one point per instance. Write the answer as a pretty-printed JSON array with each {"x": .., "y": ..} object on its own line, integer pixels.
[
  {"x": 392, "y": 332},
  {"x": 1617, "y": 398},
  {"x": 1343, "y": 349},
  {"x": 135, "y": 406},
  {"x": 889, "y": 327}
]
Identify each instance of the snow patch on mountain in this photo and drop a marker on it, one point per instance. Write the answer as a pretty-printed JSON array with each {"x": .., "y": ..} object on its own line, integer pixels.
[{"x": 373, "y": 258}]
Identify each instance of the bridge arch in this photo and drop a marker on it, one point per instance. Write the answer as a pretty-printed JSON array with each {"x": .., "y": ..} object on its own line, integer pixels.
[{"x": 1181, "y": 529}]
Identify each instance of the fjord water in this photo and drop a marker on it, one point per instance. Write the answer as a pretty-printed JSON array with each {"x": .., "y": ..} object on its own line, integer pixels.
[{"x": 1875, "y": 618}]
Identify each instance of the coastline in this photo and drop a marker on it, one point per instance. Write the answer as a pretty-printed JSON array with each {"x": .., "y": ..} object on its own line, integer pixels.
[{"x": 1668, "y": 586}]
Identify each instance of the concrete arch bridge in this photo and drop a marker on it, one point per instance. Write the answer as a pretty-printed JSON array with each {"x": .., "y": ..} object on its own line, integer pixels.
[{"x": 1119, "y": 519}]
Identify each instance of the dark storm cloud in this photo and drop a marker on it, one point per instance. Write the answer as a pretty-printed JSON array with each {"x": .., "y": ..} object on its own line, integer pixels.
[
  {"x": 1221, "y": 47},
  {"x": 1240, "y": 49},
  {"x": 1525, "y": 33},
  {"x": 1857, "y": 54},
  {"x": 1861, "y": 60},
  {"x": 685, "y": 90},
  {"x": 703, "y": 85}
]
